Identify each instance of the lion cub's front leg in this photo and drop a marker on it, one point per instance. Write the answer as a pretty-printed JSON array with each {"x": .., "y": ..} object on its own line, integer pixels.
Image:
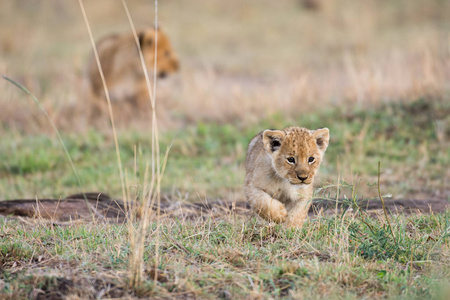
[
  {"x": 298, "y": 213},
  {"x": 265, "y": 206}
]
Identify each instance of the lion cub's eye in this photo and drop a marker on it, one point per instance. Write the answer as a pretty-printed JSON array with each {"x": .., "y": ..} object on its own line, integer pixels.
[
  {"x": 290, "y": 160},
  {"x": 311, "y": 159}
]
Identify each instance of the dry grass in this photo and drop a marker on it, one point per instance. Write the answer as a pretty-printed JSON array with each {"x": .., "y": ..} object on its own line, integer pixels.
[
  {"x": 256, "y": 58},
  {"x": 151, "y": 190}
]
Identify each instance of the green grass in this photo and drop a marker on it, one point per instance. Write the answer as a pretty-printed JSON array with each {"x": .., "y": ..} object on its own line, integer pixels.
[
  {"x": 233, "y": 256},
  {"x": 410, "y": 140},
  {"x": 348, "y": 256}
]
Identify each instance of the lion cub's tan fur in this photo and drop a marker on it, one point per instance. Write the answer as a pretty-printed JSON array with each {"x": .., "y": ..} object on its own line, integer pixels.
[
  {"x": 280, "y": 170},
  {"x": 122, "y": 67}
]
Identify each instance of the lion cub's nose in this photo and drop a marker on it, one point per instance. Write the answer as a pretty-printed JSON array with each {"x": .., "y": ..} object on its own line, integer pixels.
[
  {"x": 302, "y": 178},
  {"x": 162, "y": 74}
]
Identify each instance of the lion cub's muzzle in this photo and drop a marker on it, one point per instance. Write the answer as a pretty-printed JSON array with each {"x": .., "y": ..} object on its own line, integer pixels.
[{"x": 303, "y": 179}]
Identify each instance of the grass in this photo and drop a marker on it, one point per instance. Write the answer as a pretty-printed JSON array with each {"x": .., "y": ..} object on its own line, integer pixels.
[
  {"x": 233, "y": 256},
  {"x": 374, "y": 73},
  {"x": 351, "y": 255},
  {"x": 206, "y": 160}
]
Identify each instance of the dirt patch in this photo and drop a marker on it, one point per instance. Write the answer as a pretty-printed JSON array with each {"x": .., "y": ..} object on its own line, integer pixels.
[
  {"x": 72, "y": 208},
  {"x": 101, "y": 207},
  {"x": 395, "y": 206}
]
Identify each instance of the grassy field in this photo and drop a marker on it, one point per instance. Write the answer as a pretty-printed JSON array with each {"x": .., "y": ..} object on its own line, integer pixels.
[
  {"x": 206, "y": 160},
  {"x": 376, "y": 73},
  {"x": 348, "y": 256},
  {"x": 232, "y": 257}
]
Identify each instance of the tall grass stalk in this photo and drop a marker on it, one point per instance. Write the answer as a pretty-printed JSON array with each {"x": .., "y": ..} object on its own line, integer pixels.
[
  {"x": 108, "y": 100},
  {"x": 154, "y": 192},
  {"x": 382, "y": 202},
  {"x": 44, "y": 111},
  {"x": 137, "y": 236}
]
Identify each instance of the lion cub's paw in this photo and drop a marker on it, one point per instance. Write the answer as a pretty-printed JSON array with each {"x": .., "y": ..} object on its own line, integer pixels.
[
  {"x": 295, "y": 222},
  {"x": 277, "y": 212}
]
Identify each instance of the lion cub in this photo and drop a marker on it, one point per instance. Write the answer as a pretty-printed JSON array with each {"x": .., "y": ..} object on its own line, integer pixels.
[
  {"x": 122, "y": 67},
  {"x": 280, "y": 170}
]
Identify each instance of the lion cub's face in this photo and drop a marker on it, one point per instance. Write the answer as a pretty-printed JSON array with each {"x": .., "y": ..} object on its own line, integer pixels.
[
  {"x": 166, "y": 60},
  {"x": 296, "y": 152}
]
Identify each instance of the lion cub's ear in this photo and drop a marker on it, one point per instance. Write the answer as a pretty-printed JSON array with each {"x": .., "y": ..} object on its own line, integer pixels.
[
  {"x": 272, "y": 140},
  {"x": 322, "y": 137}
]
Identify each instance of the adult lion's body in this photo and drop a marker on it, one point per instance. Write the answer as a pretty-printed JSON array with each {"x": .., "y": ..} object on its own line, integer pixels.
[
  {"x": 122, "y": 67},
  {"x": 280, "y": 170}
]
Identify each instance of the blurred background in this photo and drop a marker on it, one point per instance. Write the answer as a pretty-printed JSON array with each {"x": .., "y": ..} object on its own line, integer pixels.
[
  {"x": 354, "y": 66},
  {"x": 241, "y": 60}
]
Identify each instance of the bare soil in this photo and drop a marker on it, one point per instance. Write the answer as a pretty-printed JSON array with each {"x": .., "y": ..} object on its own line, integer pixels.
[{"x": 101, "y": 207}]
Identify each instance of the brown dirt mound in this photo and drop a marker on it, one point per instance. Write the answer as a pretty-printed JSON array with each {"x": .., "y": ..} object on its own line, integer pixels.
[{"x": 101, "y": 207}]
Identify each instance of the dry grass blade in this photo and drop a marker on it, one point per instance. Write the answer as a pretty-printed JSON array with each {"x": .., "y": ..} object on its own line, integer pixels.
[
  {"x": 61, "y": 141},
  {"x": 44, "y": 111},
  {"x": 111, "y": 115},
  {"x": 382, "y": 202},
  {"x": 138, "y": 247},
  {"x": 137, "y": 237}
]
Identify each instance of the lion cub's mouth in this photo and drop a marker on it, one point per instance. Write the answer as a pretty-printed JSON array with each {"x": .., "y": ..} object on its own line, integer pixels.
[{"x": 302, "y": 184}]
